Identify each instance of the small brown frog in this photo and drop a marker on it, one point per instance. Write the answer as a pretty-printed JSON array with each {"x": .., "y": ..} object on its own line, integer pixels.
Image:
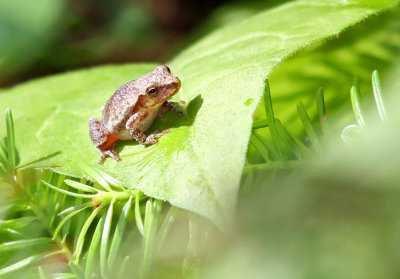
[{"x": 132, "y": 109}]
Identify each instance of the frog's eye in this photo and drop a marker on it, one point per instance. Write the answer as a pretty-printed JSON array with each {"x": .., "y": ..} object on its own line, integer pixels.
[{"x": 151, "y": 92}]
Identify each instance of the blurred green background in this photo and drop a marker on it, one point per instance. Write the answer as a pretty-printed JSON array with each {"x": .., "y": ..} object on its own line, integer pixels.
[
  {"x": 334, "y": 215},
  {"x": 44, "y": 37}
]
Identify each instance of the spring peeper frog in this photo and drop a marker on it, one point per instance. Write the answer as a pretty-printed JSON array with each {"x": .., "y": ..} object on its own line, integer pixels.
[{"x": 132, "y": 109}]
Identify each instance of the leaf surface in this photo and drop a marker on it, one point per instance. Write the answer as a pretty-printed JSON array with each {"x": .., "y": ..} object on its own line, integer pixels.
[{"x": 197, "y": 166}]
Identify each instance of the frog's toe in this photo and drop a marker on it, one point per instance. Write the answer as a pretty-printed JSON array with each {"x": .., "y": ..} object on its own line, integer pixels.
[
  {"x": 158, "y": 134},
  {"x": 110, "y": 153},
  {"x": 151, "y": 140},
  {"x": 101, "y": 161}
]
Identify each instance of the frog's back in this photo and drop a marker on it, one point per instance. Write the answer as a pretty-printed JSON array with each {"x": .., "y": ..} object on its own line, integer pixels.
[{"x": 120, "y": 107}]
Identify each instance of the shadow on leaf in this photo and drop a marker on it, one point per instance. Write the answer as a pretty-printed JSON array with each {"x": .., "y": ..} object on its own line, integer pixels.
[{"x": 171, "y": 120}]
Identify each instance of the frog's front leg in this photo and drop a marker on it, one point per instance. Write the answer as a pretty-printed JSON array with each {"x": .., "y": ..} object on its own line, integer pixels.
[
  {"x": 166, "y": 106},
  {"x": 102, "y": 139},
  {"x": 132, "y": 125}
]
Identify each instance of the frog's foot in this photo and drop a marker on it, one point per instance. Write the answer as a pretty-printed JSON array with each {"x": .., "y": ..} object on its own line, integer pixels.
[
  {"x": 166, "y": 106},
  {"x": 153, "y": 138},
  {"x": 108, "y": 152}
]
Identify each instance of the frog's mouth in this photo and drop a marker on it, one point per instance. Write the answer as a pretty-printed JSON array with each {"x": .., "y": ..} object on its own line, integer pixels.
[
  {"x": 170, "y": 90},
  {"x": 177, "y": 85}
]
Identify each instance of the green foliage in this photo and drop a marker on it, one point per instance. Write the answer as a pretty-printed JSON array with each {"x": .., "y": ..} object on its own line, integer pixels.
[
  {"x": 219, "y": 74},
  {"x": 25, "y": 32},
  {"x": 81, "y": 216},
  {"x": 333, "y": 216},
  {"x": 8, "y": 151},
  {"x": 372, "y": 44},
  {"x": 59, "y": 209},
  {"x": 104, "y": 197}
]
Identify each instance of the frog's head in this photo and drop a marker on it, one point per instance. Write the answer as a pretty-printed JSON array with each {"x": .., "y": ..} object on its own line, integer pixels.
[{"x": 159, "y": 86}]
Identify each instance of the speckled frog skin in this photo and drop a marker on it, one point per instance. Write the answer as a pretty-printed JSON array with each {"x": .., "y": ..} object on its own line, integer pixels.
[{"x": 132, "y": 109}]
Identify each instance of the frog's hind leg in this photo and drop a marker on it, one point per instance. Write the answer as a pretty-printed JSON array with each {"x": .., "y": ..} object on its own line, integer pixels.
[
  {"x": 102, "y": 139},
  {"x": 97, "y": 132}
]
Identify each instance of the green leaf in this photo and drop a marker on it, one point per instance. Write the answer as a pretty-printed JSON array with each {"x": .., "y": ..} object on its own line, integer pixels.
[
  {"x": 105, "y": 237},
  {"x": 108, "y": 179},
  {"x": 27, "y": 261},
  {"x": 85, "y": 196},
  {"x": 260, "y": 124},
  {"x": 321, "y": 112},
  {"x": 377, "y": 89},
  {"x": 372, "y": 44},
  {"x": 82, "y": 234},
  {"x": 94, "y": 175},
  {"x": 308, "y": 127},
  {"x": 3, "y": 156},
  {"x": 94, "y": 247},
  {"x": 64, "y": 276},
  {"x": 21, "y": 244},
  {"x": 13, "y": 234},
  {"x": 138, "y": 215},
  {"x": 321, "y": 104},
  {"x": 11, "y": 149},
  {"x": 118, "y": 234},
  {"x": 165, "y": 227},
  {"x": 152, "y": 214},
  {"x": 295, "y": 145},
  {"x": 271, "y": 118},
  {"x": 17, "y": 222},
  {"x": 42, "y": 274},
  {"x": 80, "y": 186},
  {"x": 123, "y": 268},
  {"x": 66, "y": 218},
  {"x": 197, "y": 166},
  {"x": 356, "y": 103},
  {"x": 77, "y": 270},
  {"x": 191, "y": 261},
  {"x": 259, "y": 143},
  {"x": 75, "y": 207}
]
